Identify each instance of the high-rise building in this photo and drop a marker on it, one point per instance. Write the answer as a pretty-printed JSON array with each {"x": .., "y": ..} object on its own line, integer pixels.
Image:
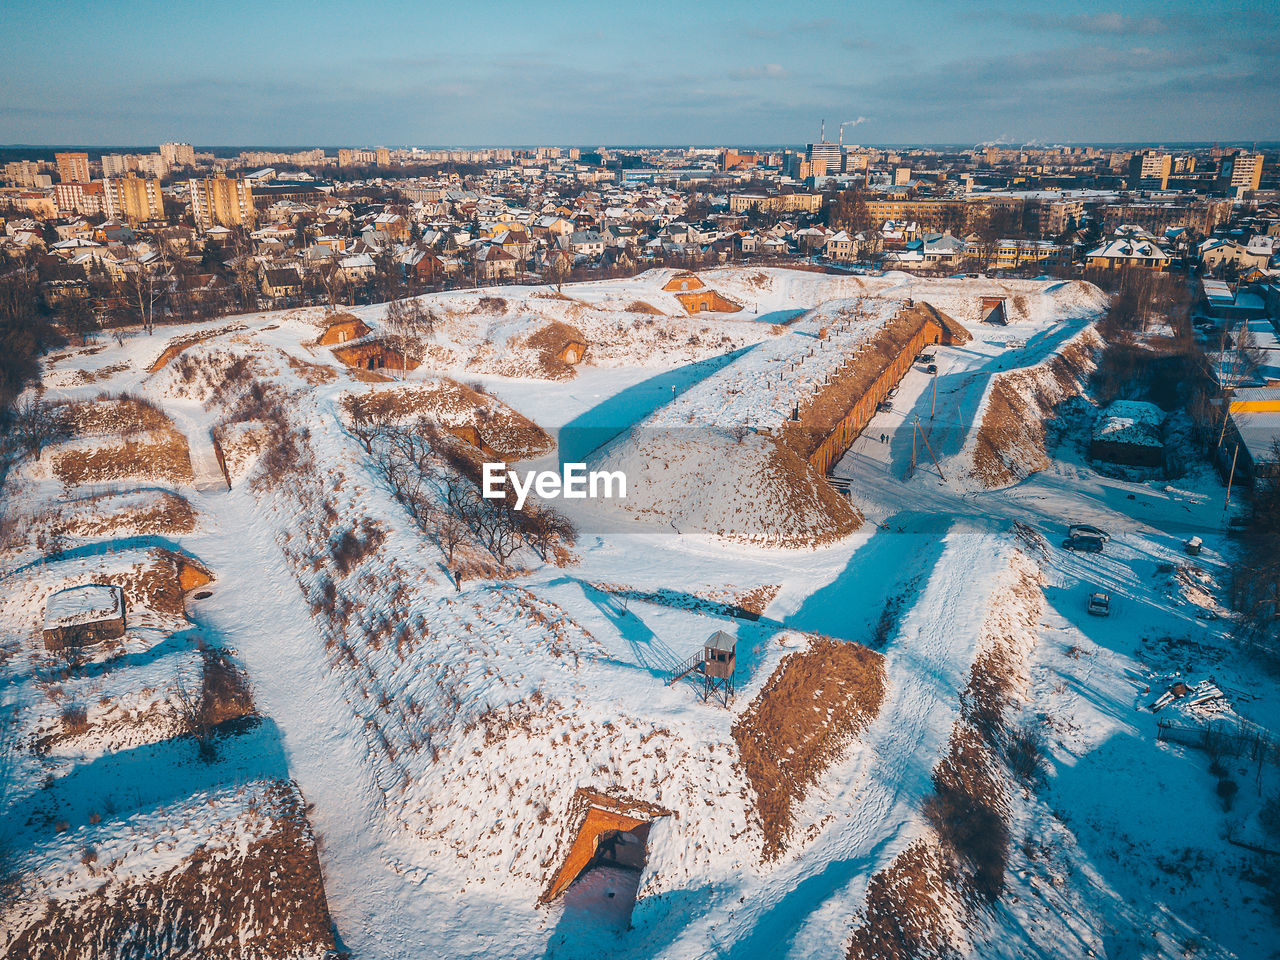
[
  {"x": 1150, "y": 169},
  {"x": 830, "y": 153},
  {"x": 901, "y": 176},
  {"x": 22, "y": 173},
  {"x": 152, "y": 164},
  {"x": 383, "y": 157},
  {"x": 72, "y": 167},
  {"x": 114, "y": 165},
  {"x": 82, "y": 198},
  {"x": 1241, "y": 171},
  {"x": 356, "y": 157},
  {"x": 132, "y": 198},
  {"x": 178, "y": 154},
  {"x": 222, "y": 201}
]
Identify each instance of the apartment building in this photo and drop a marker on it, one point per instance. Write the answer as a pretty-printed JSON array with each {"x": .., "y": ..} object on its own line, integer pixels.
[
  {"x": 1241, "y": 171},
  {"x": 1150, "y": 170},
  {"x": 733, "y": 160},
  {"x": 72, "y": 167},
  {"x": 1157, "y": 217},
  {"x": 355, "y": 158},
  {"x": 22, "y": 173},
  {"x": 133, "y": 198},
  {"x": 776, "y": 203},
  {"x": 82, "y": 198},
  {"x": 115, "y": 165},
  {"x": 178, "y": 154},
  {"x": 222, "y": 201}
]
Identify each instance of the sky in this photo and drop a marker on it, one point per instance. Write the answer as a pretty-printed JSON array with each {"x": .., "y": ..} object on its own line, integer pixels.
[{"x": 133, "y": 72}]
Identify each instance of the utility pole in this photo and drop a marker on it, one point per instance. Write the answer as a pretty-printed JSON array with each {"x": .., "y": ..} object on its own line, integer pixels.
[
  {"x": 930, "y": 449},
  {"x": 1231, "y": 476}
]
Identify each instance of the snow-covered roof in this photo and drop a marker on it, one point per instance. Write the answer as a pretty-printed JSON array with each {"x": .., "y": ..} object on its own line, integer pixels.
[
  {"x": 1130, "y": 422},
  {"x": 90, "y": 603}
]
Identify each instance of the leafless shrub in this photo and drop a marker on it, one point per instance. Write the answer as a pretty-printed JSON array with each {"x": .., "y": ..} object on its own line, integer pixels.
[
  {"x": 75, "y": 720},
  {"x": 355, "y": 544}
]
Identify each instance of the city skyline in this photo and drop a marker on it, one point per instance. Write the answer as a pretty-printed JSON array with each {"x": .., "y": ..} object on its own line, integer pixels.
[{"x": 989, "y": 72}]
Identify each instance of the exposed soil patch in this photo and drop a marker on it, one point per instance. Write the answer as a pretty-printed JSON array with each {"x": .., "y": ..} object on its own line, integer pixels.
[{"x": 814, "y": 705}]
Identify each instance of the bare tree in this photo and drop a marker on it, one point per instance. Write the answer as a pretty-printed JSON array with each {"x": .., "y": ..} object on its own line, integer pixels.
[{"x": 35, "y": 423}]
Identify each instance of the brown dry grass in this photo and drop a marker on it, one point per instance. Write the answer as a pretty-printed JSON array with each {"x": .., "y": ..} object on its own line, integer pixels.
[
  {"x": 102, "y": 373},
  {"x": 313, "y": 373},
  {"x": 508, "y": 433},
  {"x": 640, "y": 306},
  {"x": 758, "y": 598},
  {"x": 815, "y": 703},
  {"x": 265, "y": 900},
  {"x": 368, "y": 376},
  {"x": 810, "y": 496},
  {"x": 161, "y": 454},
  {"x": 178, "y": 344},
  {"x": 98, "y": 516},
  {"x": 907, "y": 911},
  {"x": 548, "y": 342},
  {"x": 115, "y": 416},
  {"x": 1010, "y": 442}
]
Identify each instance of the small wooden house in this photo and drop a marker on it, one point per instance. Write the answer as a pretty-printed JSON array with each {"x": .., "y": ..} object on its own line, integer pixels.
[{"x": 84, "y": 615}]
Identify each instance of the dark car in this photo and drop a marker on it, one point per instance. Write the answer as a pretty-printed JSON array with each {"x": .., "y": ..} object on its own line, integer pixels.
[{"x": 1083, "y": 543}]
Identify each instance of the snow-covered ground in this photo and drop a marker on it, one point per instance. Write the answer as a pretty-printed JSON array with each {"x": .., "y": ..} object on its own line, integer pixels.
[{"x": 439, "y": 762}]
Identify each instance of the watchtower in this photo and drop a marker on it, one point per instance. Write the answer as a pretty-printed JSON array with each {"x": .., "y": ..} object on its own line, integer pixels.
[
  {"x": 713, "y": 667},
  {"x": 719, "y": 663}
]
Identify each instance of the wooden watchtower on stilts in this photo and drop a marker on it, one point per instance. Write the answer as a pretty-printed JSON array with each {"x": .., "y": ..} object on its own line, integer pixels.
[{"x": 713, "y": 666}]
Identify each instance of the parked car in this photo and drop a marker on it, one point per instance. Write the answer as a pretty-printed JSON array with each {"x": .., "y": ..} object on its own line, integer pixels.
[
  {"x": 931, "y": 368},
  {"x": 1084, "y": 543},
  {"x": 884, "y": 406},
  {"x": 924, "y": 357},
  {"x": 1100, "y": 604},
  {"x": 1087, "y": 530},
  {"x": 1193, "y": 546}
]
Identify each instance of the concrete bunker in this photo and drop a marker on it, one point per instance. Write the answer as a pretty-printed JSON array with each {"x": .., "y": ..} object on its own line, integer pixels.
[
  {"x": 707, "y": 301},
  {"x": 88, "y": 614}
]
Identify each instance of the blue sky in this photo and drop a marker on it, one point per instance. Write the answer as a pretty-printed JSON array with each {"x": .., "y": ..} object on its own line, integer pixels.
[{"x": 965, "y": 71}]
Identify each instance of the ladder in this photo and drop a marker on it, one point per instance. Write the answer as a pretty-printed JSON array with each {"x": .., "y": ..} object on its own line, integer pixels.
[{"x": 686, "y": 668}]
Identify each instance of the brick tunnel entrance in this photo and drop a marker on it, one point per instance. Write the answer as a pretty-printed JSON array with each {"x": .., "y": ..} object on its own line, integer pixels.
[{"x": 601, "y": 872}]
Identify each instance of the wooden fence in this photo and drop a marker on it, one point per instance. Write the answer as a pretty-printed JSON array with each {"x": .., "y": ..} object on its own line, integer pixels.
[{"x": 1232, "y": 738}]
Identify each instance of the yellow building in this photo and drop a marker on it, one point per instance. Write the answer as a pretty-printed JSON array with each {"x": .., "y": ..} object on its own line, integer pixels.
[
  {"x": 132, "y": 198},
  {"x": 776, "y": 203},
  {"x": 222, "y": 201},
  {"x": 1241, "y": 171}
]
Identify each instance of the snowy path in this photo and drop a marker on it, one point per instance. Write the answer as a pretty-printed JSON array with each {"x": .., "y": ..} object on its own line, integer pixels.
[
  {"x": 258, "y": 611},
  {"x": 806, "y": 904}
]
